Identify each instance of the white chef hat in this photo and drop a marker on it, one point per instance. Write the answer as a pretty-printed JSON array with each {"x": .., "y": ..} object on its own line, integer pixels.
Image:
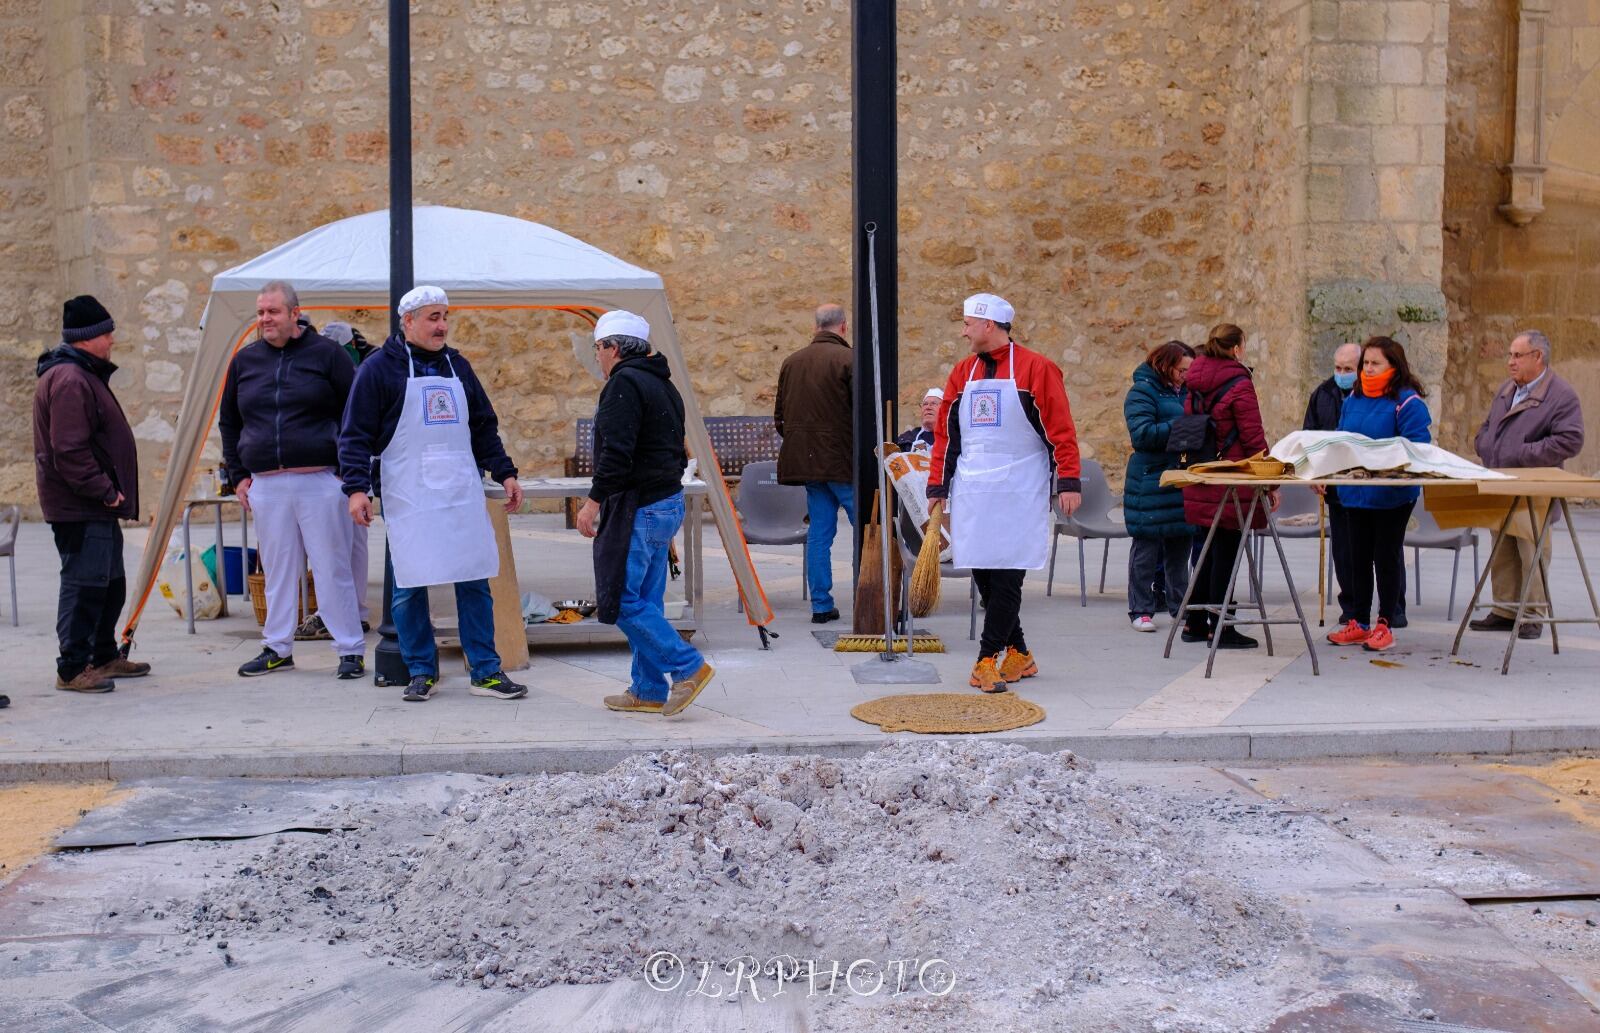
[
  {"x": 934, "y": 392},
  {"x": 421, "y": 297},
  {"x": 988, "y": 306},
  {"x": 619, "y": 321}
]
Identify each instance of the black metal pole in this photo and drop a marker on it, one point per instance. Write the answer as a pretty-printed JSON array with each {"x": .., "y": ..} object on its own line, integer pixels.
[
  {"x": 876, "y": 196},
  {"x": 388, "y": 666}
]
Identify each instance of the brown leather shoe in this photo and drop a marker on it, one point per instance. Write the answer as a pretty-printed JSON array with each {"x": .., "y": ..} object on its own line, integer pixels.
[
  {"x": 120, "y": 668},
  {"x": 684, "y": 692},
  {"x": 88, "y": 680}
]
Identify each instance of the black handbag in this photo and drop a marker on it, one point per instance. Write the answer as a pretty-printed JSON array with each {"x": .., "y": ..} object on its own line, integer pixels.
[{"x": 1193, "y": 436}]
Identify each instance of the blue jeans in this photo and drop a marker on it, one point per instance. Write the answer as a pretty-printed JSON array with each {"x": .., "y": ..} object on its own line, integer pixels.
[
  {"x": 414, "y": 627},
  {"x": 823, "y": 499},
  {"x": 659, "y": 654}
]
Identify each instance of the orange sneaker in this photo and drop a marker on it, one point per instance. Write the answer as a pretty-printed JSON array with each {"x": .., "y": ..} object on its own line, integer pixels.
[
  {"x": 1352, "y": 634},
  {"x": 1017, "y": 666},
  {"x": 986, "y": 676},
  {"x": 1380, "y": 637}
]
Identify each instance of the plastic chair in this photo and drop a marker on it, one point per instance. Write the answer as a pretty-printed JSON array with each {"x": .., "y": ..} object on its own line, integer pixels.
[
  {"x": 1296, "y": 500},
  {"x": 10, "y": 524},
  {"x": 1092, "y": 520},
  {"x": 909, "y": 538},
  {"x": 1429, "y": 535},
  {"x": 772, "y": 513}
]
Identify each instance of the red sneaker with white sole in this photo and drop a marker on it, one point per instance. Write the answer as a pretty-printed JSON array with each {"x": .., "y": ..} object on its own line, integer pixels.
[
  {"x": 1352, "y": 634},
  {"x": 1379, "y": 638}
]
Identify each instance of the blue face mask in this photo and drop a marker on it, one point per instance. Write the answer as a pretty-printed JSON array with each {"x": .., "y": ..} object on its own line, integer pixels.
[{"x": 1345, "y": 380}]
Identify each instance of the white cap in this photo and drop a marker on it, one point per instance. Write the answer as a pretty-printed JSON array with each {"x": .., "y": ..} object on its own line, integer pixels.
[
  {"x": 989, "y": 306},
  {"x": 338, "y": 333},
  {"x": 421, "y": 297},
  {"x": 934, "y": 392},
  {"x": 619, "y": 321}
]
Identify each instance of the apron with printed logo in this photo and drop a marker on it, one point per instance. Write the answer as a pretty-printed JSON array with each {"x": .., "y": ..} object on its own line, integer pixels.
[
  {"x": 433, "y": 507},
  {"x": 1000, "y": 517}
]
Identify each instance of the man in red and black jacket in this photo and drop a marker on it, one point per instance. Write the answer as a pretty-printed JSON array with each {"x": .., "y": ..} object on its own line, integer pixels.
[{"x": 1006, "y": 406}]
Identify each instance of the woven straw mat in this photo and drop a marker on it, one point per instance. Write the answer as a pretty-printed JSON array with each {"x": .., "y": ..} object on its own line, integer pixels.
[{"x": 937, "y": 713}]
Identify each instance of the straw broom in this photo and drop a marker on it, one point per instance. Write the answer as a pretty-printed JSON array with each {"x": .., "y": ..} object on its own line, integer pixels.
[
  {"x": 868, "y": 616},
  {"x": 925, "y": 577}
]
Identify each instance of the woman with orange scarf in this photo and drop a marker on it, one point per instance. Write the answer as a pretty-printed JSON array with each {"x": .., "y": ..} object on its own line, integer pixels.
[{"x": 1386, "y": 403}]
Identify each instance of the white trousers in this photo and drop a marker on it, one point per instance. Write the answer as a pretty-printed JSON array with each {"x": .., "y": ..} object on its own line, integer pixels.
[
  {"x": 358, "y": 569},
  {"x": 301, "y": 515}
]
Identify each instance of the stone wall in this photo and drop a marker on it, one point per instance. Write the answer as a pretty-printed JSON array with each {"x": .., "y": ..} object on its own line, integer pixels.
[
  {"x": 1501, "y": 278},
  {"x": 1124, "y": 173}
]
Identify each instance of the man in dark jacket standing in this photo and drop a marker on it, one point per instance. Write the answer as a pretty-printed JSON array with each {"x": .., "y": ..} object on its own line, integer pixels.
[
  {"x": 1534, "y": 420},
  {"x": 420, "y": 416},
  {"x": 281, "y": 406},
  {"x": 813, "y": 415},
  {"x": 87, "y": 470},
  {"x": 635, "y": 506},
  {"x": 1322, "y": 413}
]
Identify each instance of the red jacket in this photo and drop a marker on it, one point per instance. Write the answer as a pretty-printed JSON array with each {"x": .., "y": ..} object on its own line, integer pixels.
[
  {"x": 1044, "y": 399},
  {"x": 1238, "y": 409}
]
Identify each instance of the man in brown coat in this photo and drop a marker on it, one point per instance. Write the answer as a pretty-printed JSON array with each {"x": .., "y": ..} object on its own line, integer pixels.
[
  {"x": 813, "y": 415},
  {"x": 87, "y": 470},
  {"x": 1534, "y": 420}
]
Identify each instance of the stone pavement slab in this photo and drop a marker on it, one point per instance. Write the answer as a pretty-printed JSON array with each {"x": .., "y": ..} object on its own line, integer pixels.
[{"x": 1106, "y": 690}]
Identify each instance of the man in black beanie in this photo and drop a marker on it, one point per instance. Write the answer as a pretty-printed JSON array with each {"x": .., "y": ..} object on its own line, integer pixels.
[{"x": 87, "y": 469}]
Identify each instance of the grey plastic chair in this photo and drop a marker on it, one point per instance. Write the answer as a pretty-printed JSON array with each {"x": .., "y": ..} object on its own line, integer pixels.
[
  {"x": 1295, "y": 500},
  {"x": 772, "y": 513},
  {"x": 1092, "y": 520},
  {"x": 1429, "y": 535},
  {"x": 910, "y": 540},
  {"x": 10, "y": 523}
]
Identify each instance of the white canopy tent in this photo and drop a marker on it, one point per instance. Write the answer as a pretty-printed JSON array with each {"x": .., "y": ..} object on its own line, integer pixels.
[{"x": 482, "y": 260}]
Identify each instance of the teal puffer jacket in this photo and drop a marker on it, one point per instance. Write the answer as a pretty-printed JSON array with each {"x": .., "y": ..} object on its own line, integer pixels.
[{"x": 1150, "y": 510}]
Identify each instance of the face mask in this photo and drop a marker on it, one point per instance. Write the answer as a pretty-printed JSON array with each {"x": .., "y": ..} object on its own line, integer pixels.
[
  {"x": 1374, "y": 386},
  {"x": 1345, "y": 380}
]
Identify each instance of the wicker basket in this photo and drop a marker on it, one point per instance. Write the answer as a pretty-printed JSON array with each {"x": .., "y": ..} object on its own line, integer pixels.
[{"x": 257, "y": 583}]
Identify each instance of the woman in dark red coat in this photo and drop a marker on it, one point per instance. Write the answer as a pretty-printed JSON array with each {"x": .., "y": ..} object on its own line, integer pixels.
[{"x": 1220, "y": 383}]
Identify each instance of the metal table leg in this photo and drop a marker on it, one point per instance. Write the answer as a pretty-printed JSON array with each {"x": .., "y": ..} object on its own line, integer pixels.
[
  {"x": 1536, "y": 568},
  {"x": 1294, "y": 596},
  {"x": 1483, "y": 578},
  {"x": 222, "y": 565},
  {"x": 1188, "y": 593},
  {"x": 1223, "y": 621}
]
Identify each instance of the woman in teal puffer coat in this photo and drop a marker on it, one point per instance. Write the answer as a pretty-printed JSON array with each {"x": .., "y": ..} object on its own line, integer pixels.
[{"x": 1154, "y": 515}]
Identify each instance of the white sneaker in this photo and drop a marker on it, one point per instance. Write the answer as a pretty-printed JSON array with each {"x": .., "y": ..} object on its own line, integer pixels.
[{"x": 1143, "y": 623}]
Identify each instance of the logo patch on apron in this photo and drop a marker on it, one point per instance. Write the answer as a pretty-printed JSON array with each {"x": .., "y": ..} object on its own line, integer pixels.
[
  {"x": 439, "y": 406},
  {"x": 985, "y": 408}
]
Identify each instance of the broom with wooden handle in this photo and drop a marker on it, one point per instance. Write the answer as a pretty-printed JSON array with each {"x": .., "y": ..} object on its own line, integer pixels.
[{"x": 925, "y": 577}]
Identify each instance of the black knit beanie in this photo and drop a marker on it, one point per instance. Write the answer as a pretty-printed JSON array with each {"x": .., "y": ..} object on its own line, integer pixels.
[{"x": 84, "y": 318}]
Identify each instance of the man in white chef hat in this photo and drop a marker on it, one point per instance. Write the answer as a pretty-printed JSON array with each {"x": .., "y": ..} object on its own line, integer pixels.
[
  {"x": 418, "y": 408},
  {"x": 1004, "y": 445}
]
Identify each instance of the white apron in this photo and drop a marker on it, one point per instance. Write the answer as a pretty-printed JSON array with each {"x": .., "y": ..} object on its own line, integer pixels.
[
  {"x": 1000, "y": 516},
  {"x": 433, "y": 508}
]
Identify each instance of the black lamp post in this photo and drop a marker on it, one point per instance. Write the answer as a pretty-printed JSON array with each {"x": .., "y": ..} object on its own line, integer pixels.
[{"x": 388, "y": 666}]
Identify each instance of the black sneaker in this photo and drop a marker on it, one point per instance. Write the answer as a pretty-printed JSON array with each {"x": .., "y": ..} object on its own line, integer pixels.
[
  {"x": 266, "y": 663},
  {"x": 352, "y": 666},
  {"x": 420, "y": 688},
  {"x": 312, "y": 630},
  {"x": 498, "y": 686},
  {"x": 1231, "y": 639},
  {"x": 823, "y": 618}
]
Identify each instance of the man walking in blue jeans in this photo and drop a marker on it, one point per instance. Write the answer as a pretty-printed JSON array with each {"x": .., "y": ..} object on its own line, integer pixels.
[
  {"x": 635, "y": 506},
  {"x": 813, "y": 413}
]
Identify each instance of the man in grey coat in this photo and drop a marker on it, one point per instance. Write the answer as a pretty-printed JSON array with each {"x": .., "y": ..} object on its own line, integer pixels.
[{"x": 1534, "y": 420}]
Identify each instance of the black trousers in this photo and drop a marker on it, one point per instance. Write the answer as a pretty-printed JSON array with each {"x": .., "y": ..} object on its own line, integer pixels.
[
  {"x": 1339, "y": 549},
  {"x": 1001, "y": 591},
  {"x": 94, "y": 586},
  {"x": 1211, "y": 579},
  {"x": 1377, "y": 552}
]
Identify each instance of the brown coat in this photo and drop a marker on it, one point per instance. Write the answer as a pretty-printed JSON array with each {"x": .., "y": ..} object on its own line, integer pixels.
[
  {"x": 83, "y": 448},
  {"x": 813, "y": 412},
  {"x": 1545, "y": 430}
]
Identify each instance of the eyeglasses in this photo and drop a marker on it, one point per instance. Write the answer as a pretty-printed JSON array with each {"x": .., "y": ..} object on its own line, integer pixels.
[{"x": 1522, "y": 355}]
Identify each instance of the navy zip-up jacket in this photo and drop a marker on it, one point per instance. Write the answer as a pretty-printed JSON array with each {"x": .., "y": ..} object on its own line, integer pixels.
[
  {"x": 380, "y": 393},
  {"x": 281, "y": 407}
]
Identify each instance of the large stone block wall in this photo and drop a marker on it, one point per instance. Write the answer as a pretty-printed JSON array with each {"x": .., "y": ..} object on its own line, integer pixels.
[
  {"x": 1501, "y": 278},
  {"x": 1124, "y": 173}
]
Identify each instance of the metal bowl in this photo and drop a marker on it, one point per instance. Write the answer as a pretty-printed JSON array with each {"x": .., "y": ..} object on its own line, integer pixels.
[{"x": 585, "y": 607}]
